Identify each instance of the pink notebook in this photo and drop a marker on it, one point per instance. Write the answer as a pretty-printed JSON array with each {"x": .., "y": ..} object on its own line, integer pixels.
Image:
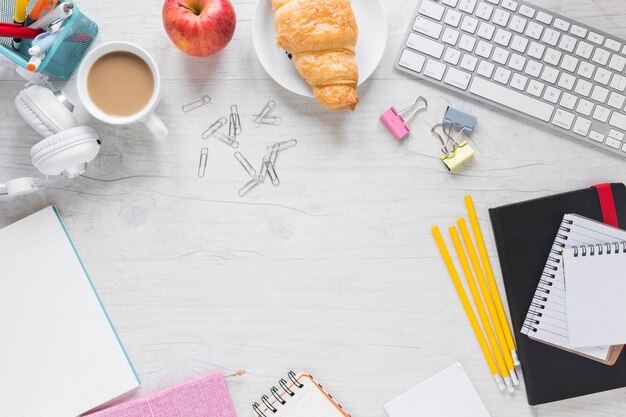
[{"x": 201, "y": 397}]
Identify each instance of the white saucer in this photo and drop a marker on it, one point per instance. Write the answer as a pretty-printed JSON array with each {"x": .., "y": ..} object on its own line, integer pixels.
[{"x": 371, "y": 20}]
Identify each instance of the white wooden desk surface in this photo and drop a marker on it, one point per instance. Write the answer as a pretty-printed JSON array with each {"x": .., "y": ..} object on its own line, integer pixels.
[{"x": 335, "y": 271}]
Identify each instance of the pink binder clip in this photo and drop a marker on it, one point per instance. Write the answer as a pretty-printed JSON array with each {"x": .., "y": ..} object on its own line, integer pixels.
[{"x": 395, "y": 121}]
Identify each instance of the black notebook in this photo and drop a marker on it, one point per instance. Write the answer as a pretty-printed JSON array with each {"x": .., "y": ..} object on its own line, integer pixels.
[{"x": 524, "y": 234}]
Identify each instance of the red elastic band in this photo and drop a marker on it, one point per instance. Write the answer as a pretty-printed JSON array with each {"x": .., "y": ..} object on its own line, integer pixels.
[{"x": 607, "y": 204}]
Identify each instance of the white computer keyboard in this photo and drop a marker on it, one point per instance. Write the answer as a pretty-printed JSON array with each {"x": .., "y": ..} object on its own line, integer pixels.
[{"x": 524, "y": 59}]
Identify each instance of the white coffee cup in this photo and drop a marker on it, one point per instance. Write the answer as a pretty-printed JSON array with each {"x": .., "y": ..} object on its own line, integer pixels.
[{"x": 146, "y": 115}]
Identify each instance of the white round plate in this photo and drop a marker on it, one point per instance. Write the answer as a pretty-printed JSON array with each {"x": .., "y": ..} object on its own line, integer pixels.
[{"x": 370, "y": 18}]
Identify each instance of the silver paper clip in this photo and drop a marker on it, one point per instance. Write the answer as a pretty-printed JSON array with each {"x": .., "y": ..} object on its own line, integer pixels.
[
  {"x": 263, "y": 170},
  {"x": 245, "y": 164},
  {"x": 249, "y": 186},
  {"x": 283, "y": 146},
  {"x": 272, "y": 173},
  {"x": 221, "y": 122},
  {"x": 264, "y": 115},
  {"x": 234, "y": 127},
  {"x": 269, "y": 120},
  {"x": 227, "y": 139},
  {"x": 204, "y": 154},
  {"x": 196, "y": 104}
]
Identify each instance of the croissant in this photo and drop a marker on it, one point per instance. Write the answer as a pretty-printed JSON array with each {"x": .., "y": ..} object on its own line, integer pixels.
[{"x": 321, "y": 36}]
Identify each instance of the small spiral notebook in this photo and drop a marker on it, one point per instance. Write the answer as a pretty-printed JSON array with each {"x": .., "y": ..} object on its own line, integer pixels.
[
  {"x": 300, "y": 396},
  {"x": 548, "y": 319},
  {"x": 596, "y": 291}
]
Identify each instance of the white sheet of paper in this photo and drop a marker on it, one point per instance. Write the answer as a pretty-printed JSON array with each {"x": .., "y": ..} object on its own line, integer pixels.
[
  {"x": 59, "y": 355},
  {"x": 450, "y": 393}
]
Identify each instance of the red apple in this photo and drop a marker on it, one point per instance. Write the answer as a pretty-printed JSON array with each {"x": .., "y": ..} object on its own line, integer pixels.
[{"x": 199, "y": 27}]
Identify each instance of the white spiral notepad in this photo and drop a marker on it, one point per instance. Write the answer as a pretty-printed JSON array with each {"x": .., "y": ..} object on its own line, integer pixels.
[
  {"x": 59, "y": 355},
  {"x": 547, "y": 319},
  {"x": 299, "y": 396}
]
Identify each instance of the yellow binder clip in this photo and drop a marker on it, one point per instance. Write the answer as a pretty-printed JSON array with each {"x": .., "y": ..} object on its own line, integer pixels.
[{"x": 455, "y": 150}]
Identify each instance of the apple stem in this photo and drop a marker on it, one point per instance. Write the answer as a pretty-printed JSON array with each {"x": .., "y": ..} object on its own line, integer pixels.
[{"x": 188, "y": 8}]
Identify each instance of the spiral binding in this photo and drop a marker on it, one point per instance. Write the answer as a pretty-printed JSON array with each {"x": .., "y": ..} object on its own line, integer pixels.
[
  {"x": 280, "y": 396},
  {"x": 599, "y": 249},
  {"x": 537, "y": 305}
]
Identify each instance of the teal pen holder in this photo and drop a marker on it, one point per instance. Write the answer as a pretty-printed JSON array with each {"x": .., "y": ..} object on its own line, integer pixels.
[{"x": 66, "y": 53}]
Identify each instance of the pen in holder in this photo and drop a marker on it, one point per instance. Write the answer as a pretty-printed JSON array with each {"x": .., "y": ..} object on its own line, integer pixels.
[
  {"x": 64, "y": 55},
  {"x": 456, "y": 125}
]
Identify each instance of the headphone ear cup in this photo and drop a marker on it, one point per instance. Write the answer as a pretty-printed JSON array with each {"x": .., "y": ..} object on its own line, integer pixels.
[
  {"x": 67, "y": 152},
  {"x": 43, "y": 112}
]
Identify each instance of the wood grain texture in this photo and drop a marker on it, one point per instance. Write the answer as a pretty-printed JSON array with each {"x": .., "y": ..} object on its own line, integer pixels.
[{"x": 334, "y": 271}]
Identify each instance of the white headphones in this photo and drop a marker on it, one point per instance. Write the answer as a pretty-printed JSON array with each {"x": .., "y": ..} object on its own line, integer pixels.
[{"x": 66, "y": 149}]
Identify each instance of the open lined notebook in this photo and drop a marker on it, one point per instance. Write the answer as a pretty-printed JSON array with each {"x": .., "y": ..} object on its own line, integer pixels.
[
  {"x": 59, "y": 355},
  {"x": 547, "y": 318}
]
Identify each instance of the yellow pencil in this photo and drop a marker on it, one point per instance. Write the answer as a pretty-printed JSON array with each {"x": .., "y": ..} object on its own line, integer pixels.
[
  {"x": 468, "y": 308},
  {"x": 497, "y": 326},
  {"x": 482, "y": 249},
  {"x": 495, "y": 348}
]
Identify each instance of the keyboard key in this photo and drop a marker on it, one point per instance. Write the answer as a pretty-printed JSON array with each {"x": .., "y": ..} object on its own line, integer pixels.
[
  {"x": 467, "y": 6},
  {"x": 519, "y": 44},
  {"x": 601, "y": 56},
  {"x": 613, "y": 143},
  {"x": 484, "y": 49},
  {"x": 567, "y": 81},
  {"x": 585, "y": 107},
  {"x": 563, "y": 119},
  {"x": 451, "y": 3},
  {"x": 517, "y": 62},
  {"x": 457, "y": 78},
  {"x": 551, "y": 37},
  {"x": 434, "y": 69},
  {"x": 452, "y": 56},
  {"x": 599, "y": 94},
  {"x": 518, "y": 24},
  {"x": 469, "y": 24},
  {"x": 450, "y": 36},
  {"x": 427, "y": 27},
  {"x": 585, "y": 69},
  {"x": 583, "y": 87},
  {"x": 536, "y": 50},
  {"x": 469, "y": 62},
  {"x": 568, "y": 101},
  {"x": 534, "y": 30},
  {"x": 453, "y": 18},
  {"x": 535, "y": 88},
  {"x": 412, "y": 61},
  {"x": 582, "y": 126},
  {"x": 510, "y": 5},
  {"x": 602, "y": 76},
  {"x": 503, "y": 37},
  {"x": 511, "y": 99},
  {"x": 550, "y": 75},
  {"x": 486, "y": 31},
  {"x": 552, "y": 95},
  {"x": 533, "y": 68},
  {"x": 579, "y": 31},
  {"x": 553, "y": 57},
  {"x": 617, "y": 63},
  {"x": 500, "y": 56},
  {"x": 584, "y": 50},
  {"x": 616, "y": 101},
  {"x": 527, "y": 11},
  {"x": 502, "y": 75},
  {"x": 598, "y": 137},
  {"x": 618, "y": 82},
  {"x": 485, "y": 68},
  {"x": 425, "y": 45},
  {"x": 501, "y": 17},
  {"x": 561, "y": 24},
  {"x": 467, "y": 43},
  {"x": 596, "y": 38},
  {"x": 567, "y": 43},
  {"x": 495, "y": 2},
  {"x": 519, "y": 82},
  {"x": 601, "y": 114},
  {"x": 484, "y": 11},
  {"x": 569, "y": 63},
  {"x": 431, "y": 9},
  {"x": 544, "y": 17},
  {"x": 616, "y": 134},
  {"x": 613, "y": 45}
]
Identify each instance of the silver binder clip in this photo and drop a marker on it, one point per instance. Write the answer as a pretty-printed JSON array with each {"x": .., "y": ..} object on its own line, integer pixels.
[
  {"x": 245, "y": 164},
  {"x": 196, "y": 104},
  {"x": 204, "y": 154},
  {"x": 234, "y": 127}
]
